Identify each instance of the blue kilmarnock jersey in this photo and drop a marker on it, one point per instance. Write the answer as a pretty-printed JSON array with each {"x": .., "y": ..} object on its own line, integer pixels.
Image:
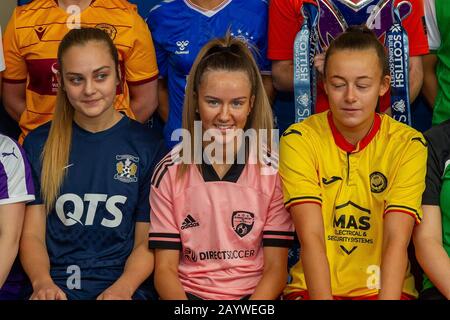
[
  {"x": 180, "y": 29},
  {"x": 90, "y": 231}
]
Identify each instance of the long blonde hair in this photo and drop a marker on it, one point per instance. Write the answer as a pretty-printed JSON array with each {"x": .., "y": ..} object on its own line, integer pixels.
[
  {"x": 226, "y": 54},
  {"x": 55, "y": 155}
]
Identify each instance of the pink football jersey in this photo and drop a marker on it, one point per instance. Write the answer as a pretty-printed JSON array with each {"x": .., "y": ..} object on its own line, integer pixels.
[{"x": 219, "y": 225}]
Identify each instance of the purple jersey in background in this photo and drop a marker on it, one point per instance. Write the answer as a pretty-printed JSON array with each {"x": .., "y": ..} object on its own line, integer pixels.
[{"x": 16, "y": 185}]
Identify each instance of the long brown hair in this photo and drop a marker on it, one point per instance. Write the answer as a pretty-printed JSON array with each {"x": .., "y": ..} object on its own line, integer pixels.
[
  {"x": 226, "y": 54},
  {"x": 55, "y": 155}
]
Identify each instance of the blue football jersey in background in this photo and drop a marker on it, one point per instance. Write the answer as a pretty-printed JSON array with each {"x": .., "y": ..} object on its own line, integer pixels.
[{"x": 180, "y": 30}]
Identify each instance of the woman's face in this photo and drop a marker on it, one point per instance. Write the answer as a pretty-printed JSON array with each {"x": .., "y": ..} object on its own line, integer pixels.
[
  {"x": 90, "y": 79},
  {"x": 225, "y": 101},
  {"x": 353, "y": 83}
]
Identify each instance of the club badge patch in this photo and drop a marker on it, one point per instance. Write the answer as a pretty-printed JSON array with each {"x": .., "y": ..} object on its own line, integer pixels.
[
  {"x": 109, "y": 29},
  {"x": 126, "y": 168},
  {"x": 378, "y": 182},
  {"x": 242, "y": 222}
]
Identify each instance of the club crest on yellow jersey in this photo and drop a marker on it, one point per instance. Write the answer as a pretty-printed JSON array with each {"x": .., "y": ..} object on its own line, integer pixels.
[{"x": 378, "y": 182}]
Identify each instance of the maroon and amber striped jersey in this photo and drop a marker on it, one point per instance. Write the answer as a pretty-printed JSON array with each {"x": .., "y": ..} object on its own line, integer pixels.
[{"x": 31, "y": 43}]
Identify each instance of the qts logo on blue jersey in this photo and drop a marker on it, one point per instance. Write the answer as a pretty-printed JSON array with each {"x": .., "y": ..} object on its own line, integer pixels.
[
  {"x": 126, "y": 168},
  {"x": 70, "y": 209}
]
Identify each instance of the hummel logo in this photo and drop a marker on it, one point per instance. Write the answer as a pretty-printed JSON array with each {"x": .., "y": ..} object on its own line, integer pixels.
[
  {"x": 5, "y": 154},
  {"x": 182, "y": 46},
  {"x": 189, "y": 222}
]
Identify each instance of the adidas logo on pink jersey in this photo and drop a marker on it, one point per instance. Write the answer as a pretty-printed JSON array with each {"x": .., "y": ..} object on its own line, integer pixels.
[{"x": 189, "y": 222}]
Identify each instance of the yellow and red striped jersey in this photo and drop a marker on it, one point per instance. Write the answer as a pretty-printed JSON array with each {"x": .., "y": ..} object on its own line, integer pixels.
[{"x": 355, "y": 187}]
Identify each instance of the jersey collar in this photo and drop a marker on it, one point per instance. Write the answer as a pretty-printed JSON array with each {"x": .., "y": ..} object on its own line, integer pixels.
[
  {"x": 208, "y": 13},
  {"x": 347, "y": 146},
  {"x": 232, "y": 175},
  {"x": 57, "y": 4}
]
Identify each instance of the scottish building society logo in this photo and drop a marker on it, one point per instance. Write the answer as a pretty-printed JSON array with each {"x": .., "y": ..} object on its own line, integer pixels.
[
  {"x": 126, "y": 168},
  {"x": 303, "y": 100},
  {"x": 399, "y": 106}
]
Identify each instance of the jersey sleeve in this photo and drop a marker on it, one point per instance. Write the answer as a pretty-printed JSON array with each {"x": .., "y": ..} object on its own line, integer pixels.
[
  {"x": 438, "y": 150},
  {"x": 2, "y": 60},
  {"x": 35, "y": 165},
  {"x": 278, "y": 230},
  {"x": 284, "y": 22},
  {"x": 164, "y": 233},
  {"x": 263, "y": 62},
  {"x": 17, "y": 69},
  {"x": 143, "y": 209},
  {"x": 414, "y": 25},
  {"x": 161, "y": 54},
  {"x": 140, "y": 62},
  {"x": 434, "y": 36},
  {"x": 142, "y": 212},
  {"x": 16, "y": 183},
  {"x": 298, "y": 169},
  {"x": 408, "y": 184}
]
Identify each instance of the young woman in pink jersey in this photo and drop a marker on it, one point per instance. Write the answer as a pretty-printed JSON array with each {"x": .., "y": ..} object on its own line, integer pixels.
[{"x": 218, "y": 227}]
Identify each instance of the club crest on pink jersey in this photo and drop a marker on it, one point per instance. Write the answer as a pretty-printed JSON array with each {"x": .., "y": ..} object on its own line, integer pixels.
[{"x": 242, "y": 222}]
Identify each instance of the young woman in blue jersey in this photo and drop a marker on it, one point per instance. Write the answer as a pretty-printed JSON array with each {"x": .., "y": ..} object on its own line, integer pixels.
[
  {"x": 86, "y": 237},
  {"x": 219, "y": 227}
]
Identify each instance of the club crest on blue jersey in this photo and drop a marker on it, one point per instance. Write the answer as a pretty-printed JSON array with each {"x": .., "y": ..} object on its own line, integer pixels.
[
  {"x": 242, "y": 222},
  {"x": 126, "y": 168},
  {"x": 243, "y": 36}
]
